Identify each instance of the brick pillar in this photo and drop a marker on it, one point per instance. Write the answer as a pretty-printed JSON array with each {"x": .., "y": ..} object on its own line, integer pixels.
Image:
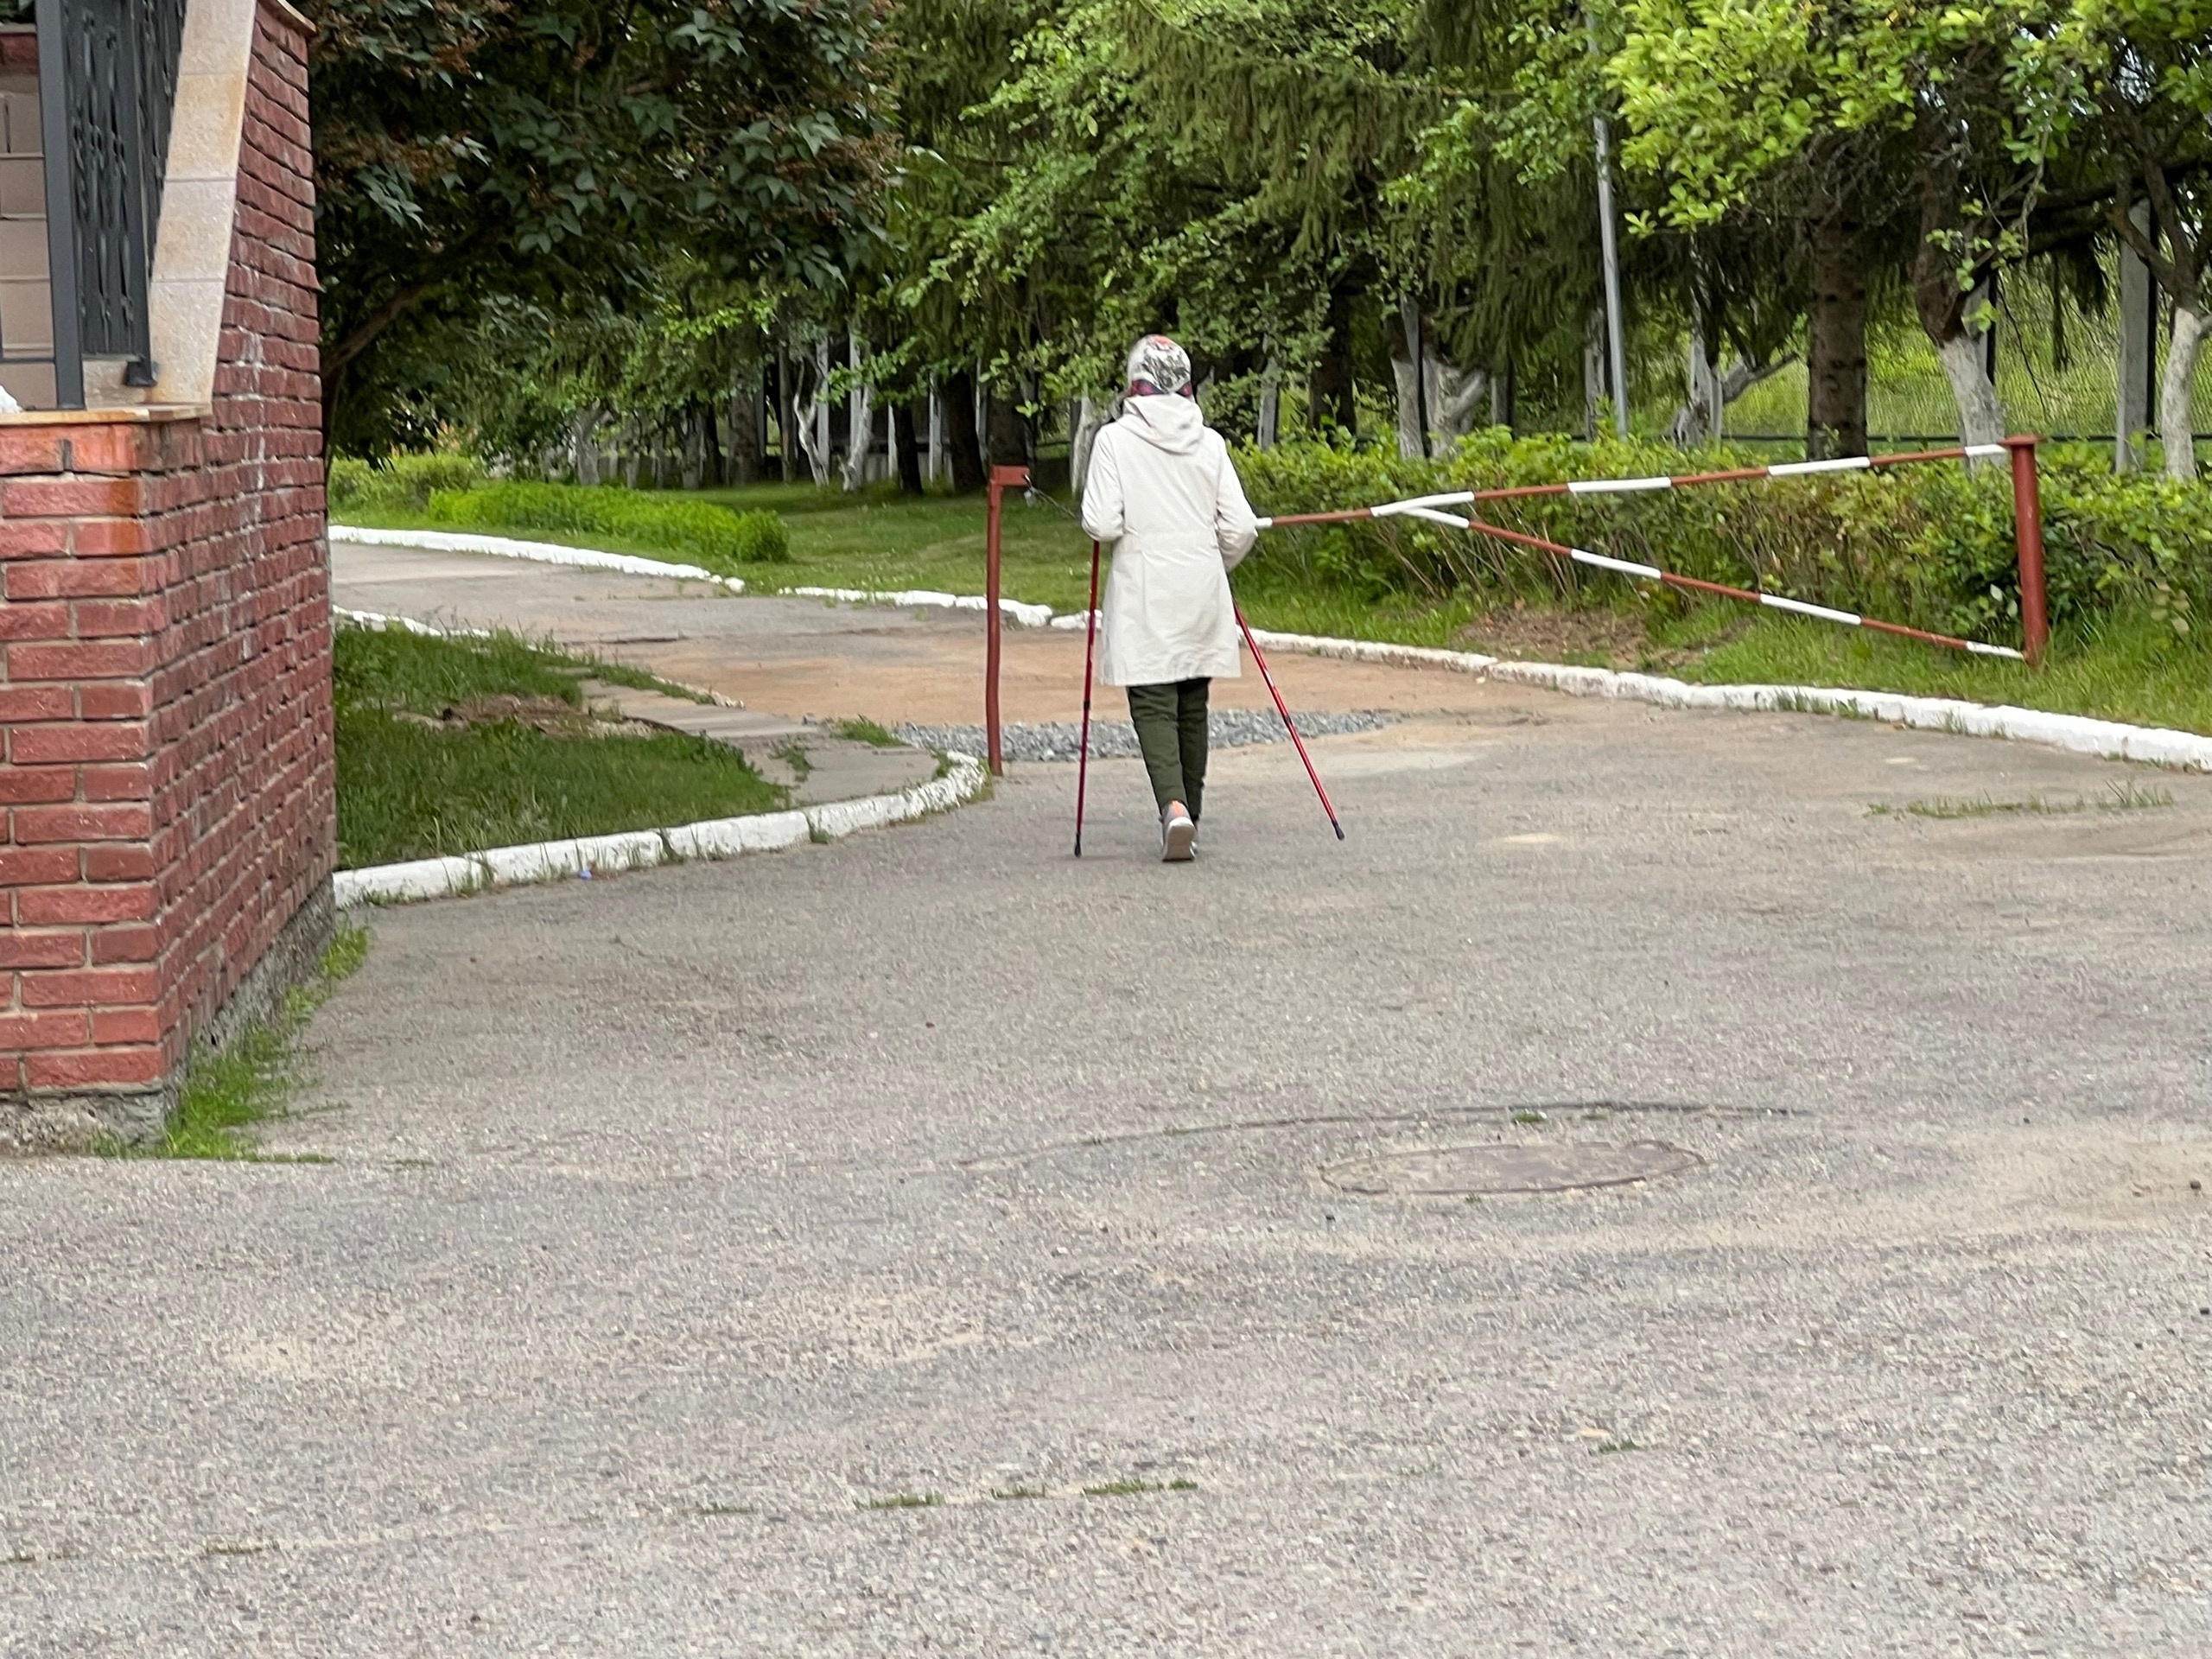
[{"x": 168, "y": 782}]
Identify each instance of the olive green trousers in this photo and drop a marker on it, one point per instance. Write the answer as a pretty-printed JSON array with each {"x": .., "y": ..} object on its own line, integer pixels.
[{"x": 1170, "y": 722}]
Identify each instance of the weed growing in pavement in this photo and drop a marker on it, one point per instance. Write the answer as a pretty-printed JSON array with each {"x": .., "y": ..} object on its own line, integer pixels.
[
  {"x": 21, "y": 1558},
  {"x": 2127, "y": 796},
  {"x": 1009, "y": 1493},
  {"x": 794, "y": 755},
  {"x": 712, "y": 1509},
  {"x": 1528, "y": 1117},
  {"x": 1133, "y": 1488},
  {"x": 866, "y": 731},
  {"x": 254, "y": 1078},
  {"x": 1605, "y": 1447},
  {"x": 902, "y": 1501}
]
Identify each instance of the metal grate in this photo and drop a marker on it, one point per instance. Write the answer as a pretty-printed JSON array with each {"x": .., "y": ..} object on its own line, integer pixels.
[{"x": 107, "y": 91}]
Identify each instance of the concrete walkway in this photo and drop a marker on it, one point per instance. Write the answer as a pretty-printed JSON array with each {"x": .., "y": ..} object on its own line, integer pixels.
[
  {"x": 678, "y": 1229},
  {"x": 804, "y": 657}
]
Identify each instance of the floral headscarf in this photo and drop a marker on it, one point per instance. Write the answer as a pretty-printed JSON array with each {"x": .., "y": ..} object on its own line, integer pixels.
[{"x": 1158, "y": 366}]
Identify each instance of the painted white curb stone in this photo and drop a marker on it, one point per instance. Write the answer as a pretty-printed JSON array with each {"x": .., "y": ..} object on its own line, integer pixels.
[
  {"x": 503, "y": 547},
  {"x": 2076, "y": 733},
  {"x": 760, "y": 832},
  {"x": 1015, "y": 610},
  {"x": 377, "y": 621}
]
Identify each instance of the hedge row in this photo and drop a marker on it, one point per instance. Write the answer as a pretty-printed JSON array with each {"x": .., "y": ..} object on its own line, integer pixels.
[
  {"x": 453, "y": 489},
  {"x": 400, "y": 481},
  {"x": 696, "y": 532},
  {"x": 1930, "y": 544}
]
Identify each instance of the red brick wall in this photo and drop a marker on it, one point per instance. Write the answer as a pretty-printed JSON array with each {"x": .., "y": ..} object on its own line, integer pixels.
[{"x": 169, "y": 785}]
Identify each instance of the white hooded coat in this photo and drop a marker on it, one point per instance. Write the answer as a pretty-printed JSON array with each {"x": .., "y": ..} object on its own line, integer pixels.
[{"x": 1162, "y": 489}]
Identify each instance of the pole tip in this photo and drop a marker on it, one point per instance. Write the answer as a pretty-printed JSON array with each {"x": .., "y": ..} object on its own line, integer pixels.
[{"x": 1338, "y": 827}]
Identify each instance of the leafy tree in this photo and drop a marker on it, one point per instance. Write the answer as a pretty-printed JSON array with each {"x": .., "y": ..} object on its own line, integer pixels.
[
  {"x": 2132, "y": 81},
  {"x": 553, "y": 152}
]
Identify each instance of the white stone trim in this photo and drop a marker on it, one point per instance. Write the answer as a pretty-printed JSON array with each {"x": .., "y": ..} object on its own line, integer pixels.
[
  {"x": 760, "y": 832},
  {"x": 1015, "y": 610},
  {"x": 2076, "y": 733},
  {"x": 200, "y": 195},
  {"x": 506, "y": 547}
]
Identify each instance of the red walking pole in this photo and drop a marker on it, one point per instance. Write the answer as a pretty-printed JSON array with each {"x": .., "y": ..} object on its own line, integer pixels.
[
  {"x": 1260, "y": 663},
  {"x": 1090, "y": 647}
]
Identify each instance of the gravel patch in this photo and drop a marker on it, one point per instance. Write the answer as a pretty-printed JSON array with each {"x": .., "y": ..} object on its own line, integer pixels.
[{"x": 1227, "y": 729}]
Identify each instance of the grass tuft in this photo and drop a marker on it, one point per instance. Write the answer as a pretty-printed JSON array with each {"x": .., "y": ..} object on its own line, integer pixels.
[
  {"x": 254, "y": 1078},
  {"x": 902, "y": 1501},
  {"x": 2126, "y": 796},
  {"x": 1133, "y": 1488},
  {"x": 866, "y": 731}
]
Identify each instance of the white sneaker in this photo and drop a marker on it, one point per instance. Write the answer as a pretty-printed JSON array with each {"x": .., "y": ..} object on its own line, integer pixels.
[{"x": 1177, "y": 832}]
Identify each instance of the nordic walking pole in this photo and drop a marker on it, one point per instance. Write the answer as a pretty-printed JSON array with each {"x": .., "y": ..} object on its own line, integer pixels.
[
  {"x": 1090, "y": 646},
  {"x": 1290, "y": 725}
]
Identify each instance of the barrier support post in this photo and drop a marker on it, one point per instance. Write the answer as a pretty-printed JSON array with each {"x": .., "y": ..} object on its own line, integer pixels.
[
  {"x": 1002, "y": 480},
  {"x": 2027, "y": 527}
]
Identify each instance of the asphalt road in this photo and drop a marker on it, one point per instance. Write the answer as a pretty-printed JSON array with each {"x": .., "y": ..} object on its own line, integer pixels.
[{"x": 677, "y": 1226}]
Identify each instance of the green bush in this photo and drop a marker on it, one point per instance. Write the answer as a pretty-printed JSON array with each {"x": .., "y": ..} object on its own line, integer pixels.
[
  {"x": 696, "y": 533},
  {"x": 1931, "y": 545},
  {"x": 400, "y": 480}
]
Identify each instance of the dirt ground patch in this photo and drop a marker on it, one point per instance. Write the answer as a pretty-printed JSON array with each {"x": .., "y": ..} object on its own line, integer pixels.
[
  {"x": 1590, "y": 638},
  {"x": 1600, "y": 638}
]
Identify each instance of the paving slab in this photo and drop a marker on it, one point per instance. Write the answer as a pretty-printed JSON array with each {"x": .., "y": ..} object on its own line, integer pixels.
[
  {"x": 930, "y": 1243},
  {"x": 814, "y": 762}
]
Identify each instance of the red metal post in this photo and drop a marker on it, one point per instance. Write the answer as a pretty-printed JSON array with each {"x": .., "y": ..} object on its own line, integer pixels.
[
  {"x": 1002, "y": 480},
  {"x": 2027, "y": 527}
]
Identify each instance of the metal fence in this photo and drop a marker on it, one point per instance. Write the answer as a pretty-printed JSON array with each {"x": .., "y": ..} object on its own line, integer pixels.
[{"x": 85, "y": 101}]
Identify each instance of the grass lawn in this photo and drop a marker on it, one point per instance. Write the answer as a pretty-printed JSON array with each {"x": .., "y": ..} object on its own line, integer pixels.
[
  {"x": 454, "y": 746},
  {"x": 2126, "y": 669}
]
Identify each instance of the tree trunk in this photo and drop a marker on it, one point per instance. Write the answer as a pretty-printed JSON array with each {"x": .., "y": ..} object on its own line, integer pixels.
[
  {"x": 1835, "y": 400},
  {"x": 1594, "y": 370},
  {"x": 1009, "y": 433},
  {"x": 748, "y": 444},
  {"x": 1331, "y": 400},
  {"x": 1269, "y": 426},
  {"x": 1415, "y": 409},
  {"x": 583, "y": 442},
  {"x": 2175, "y": 434},
  {"x": 780, "y": 404},
  {"x": 906, "y": 445},
  {"x": 1981, "y": 419},
  {"x": 960, "y": 432},
  {"x": 1079, "y": 442},
  {"x": 810, "y": 414},
  {"x": 860, "y": 435},
  {"x": 1942, "y": 304},
  {"x": 711, "y": 433}
]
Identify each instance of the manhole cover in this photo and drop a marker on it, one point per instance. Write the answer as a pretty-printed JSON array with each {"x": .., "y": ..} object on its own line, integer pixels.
[{"x": 1508, "y": 1169}]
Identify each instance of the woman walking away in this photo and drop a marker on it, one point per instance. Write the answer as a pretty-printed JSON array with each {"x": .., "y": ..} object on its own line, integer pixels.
[{"x": 1161, "y": 490}]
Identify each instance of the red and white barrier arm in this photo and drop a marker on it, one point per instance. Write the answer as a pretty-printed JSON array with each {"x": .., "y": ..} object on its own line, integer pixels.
[
  {"x": 1772, "y": 602},
  {"x": 1427, "y": 506}
]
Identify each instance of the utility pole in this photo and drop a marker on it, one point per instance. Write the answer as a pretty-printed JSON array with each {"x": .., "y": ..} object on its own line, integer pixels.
[{"x": 1617, "y": 349}]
